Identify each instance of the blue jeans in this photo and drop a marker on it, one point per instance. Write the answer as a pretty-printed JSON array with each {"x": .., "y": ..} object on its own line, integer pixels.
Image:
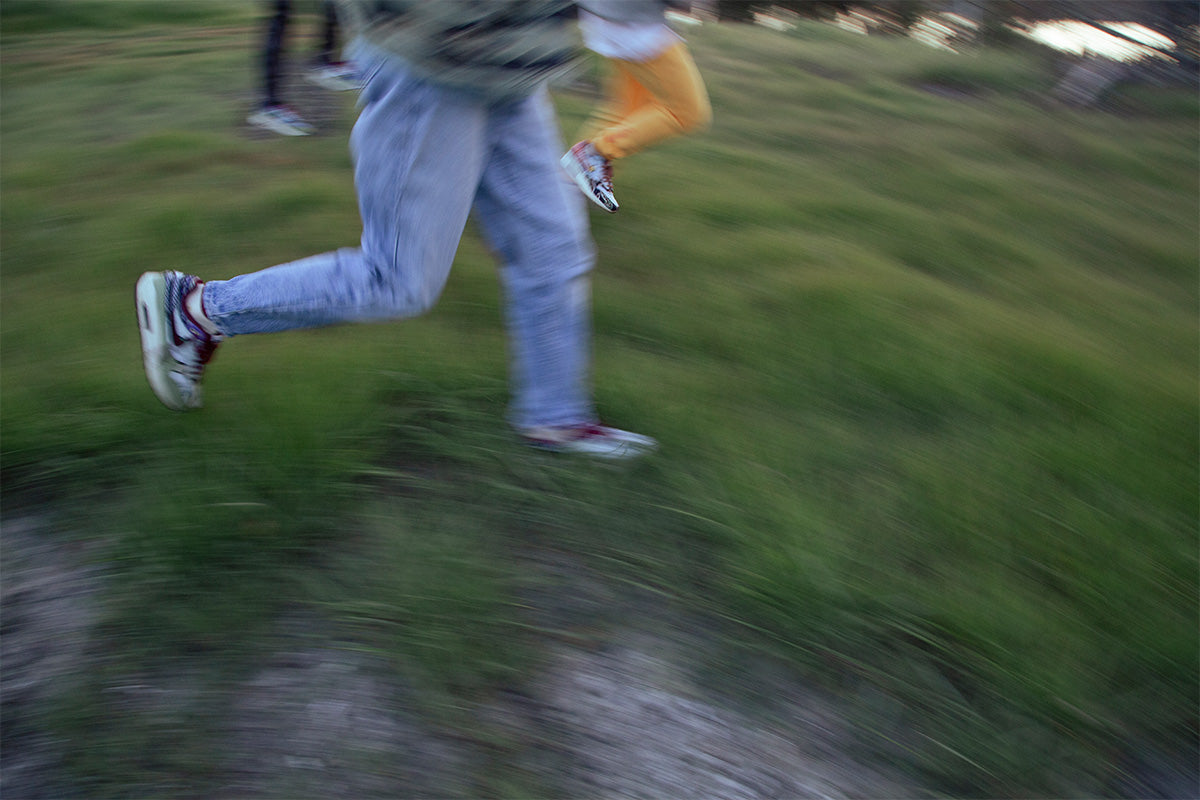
[{"x": 424, "y": 156}]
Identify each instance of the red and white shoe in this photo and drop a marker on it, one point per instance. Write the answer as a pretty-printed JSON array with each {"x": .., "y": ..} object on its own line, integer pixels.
[
  {"x": 592, "y": 173},
  {"x": 598, "y": 441},
  {"x": 175, "y": 348},
  {"x": 336, "y": 76}
]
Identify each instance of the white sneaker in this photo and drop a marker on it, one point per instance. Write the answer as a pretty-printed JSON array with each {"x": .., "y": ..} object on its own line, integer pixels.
[
  {"x": 598, "y": 441},
  {"x": 280, "y": 119},
  {"x": 175, "y": 350},
  {"x": 592, "y": 173},
  {"x": 336, "y": 76}
]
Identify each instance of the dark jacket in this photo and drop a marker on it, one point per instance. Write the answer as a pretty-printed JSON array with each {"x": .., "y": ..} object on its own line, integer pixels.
[{"x": 499, "y": 49}]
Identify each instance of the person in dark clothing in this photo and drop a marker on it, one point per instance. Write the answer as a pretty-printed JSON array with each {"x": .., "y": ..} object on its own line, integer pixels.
[
  {"x": 456, "y": 118},
  {"x": 273, "y": 113}
]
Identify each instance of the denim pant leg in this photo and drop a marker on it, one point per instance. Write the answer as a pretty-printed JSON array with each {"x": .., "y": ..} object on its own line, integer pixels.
[
  {"x": 419, "y": 152},
  {"x": 535, "y": 219}
]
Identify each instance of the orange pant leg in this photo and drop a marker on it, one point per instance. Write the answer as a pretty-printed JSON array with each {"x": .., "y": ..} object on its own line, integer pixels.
[{"x": 649, "y": 102}]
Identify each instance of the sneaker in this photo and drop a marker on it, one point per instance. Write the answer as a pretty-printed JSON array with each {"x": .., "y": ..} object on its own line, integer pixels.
[
  {"x": 590, "y": 440},
  {"x": 280, "y": 119},
  {"x": 174, "y": 348},
  {"x": 337, "y": 76},
  {"x": 592, "y": 173}
]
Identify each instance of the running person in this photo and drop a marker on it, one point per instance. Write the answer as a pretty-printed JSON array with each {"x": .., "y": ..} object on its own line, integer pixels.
[
  {"x": 455, "y": 116},
  {"x": 654, "y": 92},
  {"x": 327, "y": 71}
]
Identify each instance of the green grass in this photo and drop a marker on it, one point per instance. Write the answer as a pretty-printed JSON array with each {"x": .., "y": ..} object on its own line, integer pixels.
[{"x": 923, "y": 369}]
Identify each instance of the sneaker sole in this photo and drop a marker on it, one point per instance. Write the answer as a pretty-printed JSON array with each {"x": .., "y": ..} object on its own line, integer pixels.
[
  {"x": 266, "y": 123},
  {"x": 623, "y": 445},
  {"x": 333, "y": 84},
  {"x": 623, "y": 452},
  {"x": 570, "y": 166},
  {"x": 151, "y": 297}
]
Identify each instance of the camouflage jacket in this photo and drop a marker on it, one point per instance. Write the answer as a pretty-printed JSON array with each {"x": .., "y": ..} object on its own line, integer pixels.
[{"x": 499, "y": 49}]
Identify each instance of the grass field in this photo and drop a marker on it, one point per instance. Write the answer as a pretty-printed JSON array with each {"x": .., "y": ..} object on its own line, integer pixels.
[{"x": 920, "y": 350}]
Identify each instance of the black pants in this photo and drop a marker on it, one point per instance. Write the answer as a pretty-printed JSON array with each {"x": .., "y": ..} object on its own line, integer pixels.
[{"x": 273, "y": 53}]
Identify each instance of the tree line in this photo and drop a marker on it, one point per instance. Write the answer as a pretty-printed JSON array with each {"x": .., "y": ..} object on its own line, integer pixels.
[{"x": 1177, "y": 20}]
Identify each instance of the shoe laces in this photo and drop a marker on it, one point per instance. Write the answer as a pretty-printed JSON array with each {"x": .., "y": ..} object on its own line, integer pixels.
[
  {"x": 597, "y": 163},
  {"x": 593, "y": 162},
  {"x": 600, "y": 176},
  {"x": 194, "y": 346},
  {"x": 191, "y": 356}
]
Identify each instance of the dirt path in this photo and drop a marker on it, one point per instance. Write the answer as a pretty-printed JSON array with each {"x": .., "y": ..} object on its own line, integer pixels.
[
  {"x": 47, "y": 610},
  {"x": 616, "y": 718}
]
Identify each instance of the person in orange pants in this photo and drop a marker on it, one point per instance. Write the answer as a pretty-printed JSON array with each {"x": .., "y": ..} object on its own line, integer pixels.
[{"x": 654, "y": 93}]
